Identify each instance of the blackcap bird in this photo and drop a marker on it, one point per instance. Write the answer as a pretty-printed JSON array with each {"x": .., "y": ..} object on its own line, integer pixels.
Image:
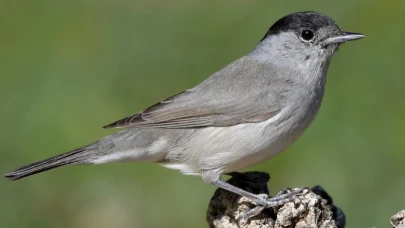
[{"x": 244, "y": 114}]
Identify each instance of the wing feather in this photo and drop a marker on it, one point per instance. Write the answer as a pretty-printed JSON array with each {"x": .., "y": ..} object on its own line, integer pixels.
[{"x": 243, "y": 92}]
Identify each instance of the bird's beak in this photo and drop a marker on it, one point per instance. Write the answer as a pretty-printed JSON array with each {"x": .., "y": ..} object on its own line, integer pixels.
[{"x": 343, "y": 37}]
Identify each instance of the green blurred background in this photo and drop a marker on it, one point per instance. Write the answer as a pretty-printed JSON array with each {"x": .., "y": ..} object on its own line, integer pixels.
[{"x": 69, "y": 67}]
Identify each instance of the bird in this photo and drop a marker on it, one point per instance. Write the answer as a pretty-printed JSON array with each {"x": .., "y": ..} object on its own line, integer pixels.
[{"x": 244, "y": 114}]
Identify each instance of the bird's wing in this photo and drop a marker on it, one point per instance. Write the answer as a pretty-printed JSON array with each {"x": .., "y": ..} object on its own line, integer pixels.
[{"x": 243, "y": 92}]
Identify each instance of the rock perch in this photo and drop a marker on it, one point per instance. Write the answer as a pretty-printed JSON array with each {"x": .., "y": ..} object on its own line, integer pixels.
[{"x": 314, "y": 209}]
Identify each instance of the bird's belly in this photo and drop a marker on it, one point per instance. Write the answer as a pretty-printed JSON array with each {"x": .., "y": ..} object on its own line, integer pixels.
[
  {"x": 270, "y": 139},
  {"x": 233, "y": 148},
  {"x": 265, "y": 151}
]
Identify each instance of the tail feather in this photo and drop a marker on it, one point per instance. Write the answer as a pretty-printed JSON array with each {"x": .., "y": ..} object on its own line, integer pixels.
[{"x": 73, "y": 157}]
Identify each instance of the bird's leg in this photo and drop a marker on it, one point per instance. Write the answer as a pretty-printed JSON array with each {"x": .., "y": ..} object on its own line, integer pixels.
[
  {"x": 255, "y": 198},
  {"x": 285, "y": 196},
  {"x": 259, "y": 201}
]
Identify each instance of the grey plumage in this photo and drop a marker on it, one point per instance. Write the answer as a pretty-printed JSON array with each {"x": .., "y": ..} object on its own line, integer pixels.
[
  {"x": 243, "y": 114},
  {"x": 213, "y": 103}
]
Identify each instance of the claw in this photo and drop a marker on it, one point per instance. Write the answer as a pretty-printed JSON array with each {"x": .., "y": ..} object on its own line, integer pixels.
[
  {"x": 284, "y": 196},
  {"x": 251, "y": 213},
  {"x": 284, "y": 191}
]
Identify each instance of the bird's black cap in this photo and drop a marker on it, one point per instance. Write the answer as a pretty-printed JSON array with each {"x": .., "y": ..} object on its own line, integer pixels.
[{"x": 296, "y": 21}]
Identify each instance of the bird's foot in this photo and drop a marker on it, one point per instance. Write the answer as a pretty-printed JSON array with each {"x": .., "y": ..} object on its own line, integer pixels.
[{"x": 284, "y": 196}]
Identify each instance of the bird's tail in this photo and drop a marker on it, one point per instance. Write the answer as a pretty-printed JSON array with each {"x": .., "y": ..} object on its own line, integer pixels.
[{"x": 78, "y": 156}]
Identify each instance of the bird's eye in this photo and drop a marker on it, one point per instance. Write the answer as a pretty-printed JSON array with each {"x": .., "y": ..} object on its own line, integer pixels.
[{"x": 307, "y": 35}]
